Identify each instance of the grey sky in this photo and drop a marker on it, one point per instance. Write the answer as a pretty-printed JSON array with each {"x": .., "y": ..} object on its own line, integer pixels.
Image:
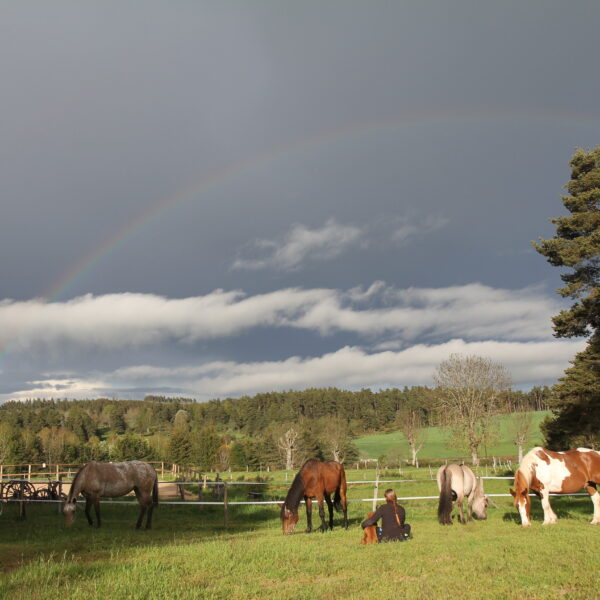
[{"x": 260, "y": 147}]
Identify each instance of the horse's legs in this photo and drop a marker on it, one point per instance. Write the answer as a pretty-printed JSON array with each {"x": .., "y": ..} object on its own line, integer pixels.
[
  {"x": 322, "y": 513},
  {"x": 344, "y": 503},
  {"x": 459, "y": 503},
  {"x": 88, "y": 506},
  {"x": 142, "y": 513},
  {"x": 308, "y": 503},
  {"x": 97, "y": 509},
  {"x": 549, "y": 516},
  {"x": 595, "y": 497},
  {"x": 470, "y": 499},
  {"x": 150, "y": 510},
  {"x": 330, "y": 507}
]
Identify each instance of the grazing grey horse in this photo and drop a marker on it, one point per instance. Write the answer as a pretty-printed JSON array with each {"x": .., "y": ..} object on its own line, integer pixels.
[
  {"x": 455, "y": 482},
  {"x": 109, "y": 480}
]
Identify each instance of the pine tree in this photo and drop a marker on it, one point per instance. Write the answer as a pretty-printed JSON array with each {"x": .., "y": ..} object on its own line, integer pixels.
[
  {"x": 576, "y": 246},
  {"x": 180, "y": 448}
]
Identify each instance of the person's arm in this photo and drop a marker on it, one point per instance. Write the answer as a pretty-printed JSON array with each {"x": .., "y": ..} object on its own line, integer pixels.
[
  {"x": 372, "y": 520},
  {"x": 401, "y": 515}
]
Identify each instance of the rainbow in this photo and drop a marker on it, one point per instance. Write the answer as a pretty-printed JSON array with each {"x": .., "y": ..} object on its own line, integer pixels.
[
  {"x": 247, "y": 165},
  {"x": 309, "y": 142}
]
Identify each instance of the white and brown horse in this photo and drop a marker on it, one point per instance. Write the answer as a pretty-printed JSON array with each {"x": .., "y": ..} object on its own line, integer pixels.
[
  {"x": 455, "y": 482},
  {"x": 109, "y": 480},
  {"x": 545, "y": 472}
]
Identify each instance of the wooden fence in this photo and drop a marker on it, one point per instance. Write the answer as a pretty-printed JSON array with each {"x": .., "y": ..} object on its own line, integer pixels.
[{"x": 58, "y": 471}]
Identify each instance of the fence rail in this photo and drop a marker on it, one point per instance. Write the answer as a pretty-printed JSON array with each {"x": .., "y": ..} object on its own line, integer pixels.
[{"x": 225, "y": 502}]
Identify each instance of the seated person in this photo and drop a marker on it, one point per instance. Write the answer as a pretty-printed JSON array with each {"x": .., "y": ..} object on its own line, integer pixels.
[{"x": 392, "y": 515}]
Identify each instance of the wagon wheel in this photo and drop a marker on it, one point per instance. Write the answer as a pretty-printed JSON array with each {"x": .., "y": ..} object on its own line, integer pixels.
[
  {"x": 12, "y": 490},
  {"x": 28, "y": 490}
]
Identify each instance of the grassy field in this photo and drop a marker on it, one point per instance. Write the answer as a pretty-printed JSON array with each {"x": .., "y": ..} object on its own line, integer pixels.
[
  {"x": 190, "y": 554},
  {"x": 436, "y": 441}
]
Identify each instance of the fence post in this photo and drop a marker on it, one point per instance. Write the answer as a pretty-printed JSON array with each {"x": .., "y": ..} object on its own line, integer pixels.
[
  {"x": 225, "y": 505},
  {"x": 1, "y": 472},
  {"x": 59, "y": 504},
  {"x": 376, "y": 490},
  {"x": 22, "y": 501},
  {"x": 28, "y": 472}
]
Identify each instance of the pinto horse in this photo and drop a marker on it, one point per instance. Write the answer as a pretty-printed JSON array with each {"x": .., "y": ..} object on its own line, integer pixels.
[
  {"x": 455, "y": 482},
  {"x": 109, "y": 480},
  {"x": 545, "y": 472},
  {"x": 316, "y": 479}
]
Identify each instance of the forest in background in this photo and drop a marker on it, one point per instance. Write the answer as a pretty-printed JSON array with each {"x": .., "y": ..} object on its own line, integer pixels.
[{"x": 275, "y": 430}]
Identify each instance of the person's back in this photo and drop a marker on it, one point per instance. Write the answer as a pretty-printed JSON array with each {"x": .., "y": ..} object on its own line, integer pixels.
[{"x": 392, "y": 515}]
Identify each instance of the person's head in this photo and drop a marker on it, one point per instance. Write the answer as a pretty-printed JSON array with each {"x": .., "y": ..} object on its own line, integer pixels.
[{"x": 390, "y": 498}]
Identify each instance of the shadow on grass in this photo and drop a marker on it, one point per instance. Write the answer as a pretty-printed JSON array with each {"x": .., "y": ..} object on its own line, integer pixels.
[
  {"x": 44, "y": 532},
  {"x": 565, "y": 508}
]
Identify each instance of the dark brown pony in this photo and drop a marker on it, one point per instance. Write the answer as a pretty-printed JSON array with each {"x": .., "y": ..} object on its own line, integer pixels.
[
  {"x": 316, "y": 479},
  {"x": 110, "y": 480}
]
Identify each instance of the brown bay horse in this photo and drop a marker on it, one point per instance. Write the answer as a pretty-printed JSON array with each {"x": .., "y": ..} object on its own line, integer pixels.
[
  {"x": 109, "y": 480},
  {"x": 545, "y": 472},
  {"x": 316, "y": 479}
]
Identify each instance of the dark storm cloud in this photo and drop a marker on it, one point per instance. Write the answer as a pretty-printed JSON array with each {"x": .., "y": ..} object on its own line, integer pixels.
[{"x": 452, "y": 124}]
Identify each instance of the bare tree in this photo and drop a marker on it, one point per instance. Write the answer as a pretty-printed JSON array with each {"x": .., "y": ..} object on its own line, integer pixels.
[
  {"x": 410, "y": 422},
  {"x": 224, "y": 456},
  {"x": 338, "y": 438},
  {"x": 469, "y": 393},
  {"x": 288, "y": 443},
  {"x": 521, "y": 424}
]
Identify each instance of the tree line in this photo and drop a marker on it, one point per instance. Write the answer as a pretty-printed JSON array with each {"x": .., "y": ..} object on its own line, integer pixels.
[{"x": 275, "y": 430}]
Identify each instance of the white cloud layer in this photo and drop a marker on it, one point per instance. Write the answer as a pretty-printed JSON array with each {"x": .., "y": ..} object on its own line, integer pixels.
[
  {"x": 300, "y": 245},
  {"x": 529, "y": 363},
  {"x": 380, "y": 314}
]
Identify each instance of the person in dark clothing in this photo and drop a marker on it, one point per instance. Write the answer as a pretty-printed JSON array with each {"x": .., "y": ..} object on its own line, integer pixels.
[{"x": 392, "y": 515}]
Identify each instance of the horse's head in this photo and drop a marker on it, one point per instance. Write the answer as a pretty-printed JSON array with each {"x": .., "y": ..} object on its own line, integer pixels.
[
  {"x": 521, "y": 495},
  {"x": 480, "y": 503},
  {"x": 69, "y": 511},
  {"x": 289, "y": 518}
]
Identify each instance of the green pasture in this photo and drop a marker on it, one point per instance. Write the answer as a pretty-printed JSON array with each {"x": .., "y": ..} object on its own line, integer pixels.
[
  {"x": 190, "y": 554},
  {"x": 436, "y": 442}
]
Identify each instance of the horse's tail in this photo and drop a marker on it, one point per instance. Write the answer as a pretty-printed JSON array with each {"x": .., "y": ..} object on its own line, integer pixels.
[
  {"x": 445, "y": 504},
  {"x": 337, "y": 498},
  {"x": 155, "y": 491}
]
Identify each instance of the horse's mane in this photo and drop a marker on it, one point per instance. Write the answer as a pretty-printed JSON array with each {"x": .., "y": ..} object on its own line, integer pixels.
[
  {"x": 295, "y": 493},
  {"x": 77, "y": 475},
  {"x": 527, "y": 464}
]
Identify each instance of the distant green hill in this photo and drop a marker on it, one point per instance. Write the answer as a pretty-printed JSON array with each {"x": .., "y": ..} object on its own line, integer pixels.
[{"x": 436, "y": 441}]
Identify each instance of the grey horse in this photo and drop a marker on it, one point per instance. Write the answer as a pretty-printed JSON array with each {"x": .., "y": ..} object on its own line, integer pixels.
[
  {"x": 109, "y": 480},
  {"x": 455, "y": 482}
]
